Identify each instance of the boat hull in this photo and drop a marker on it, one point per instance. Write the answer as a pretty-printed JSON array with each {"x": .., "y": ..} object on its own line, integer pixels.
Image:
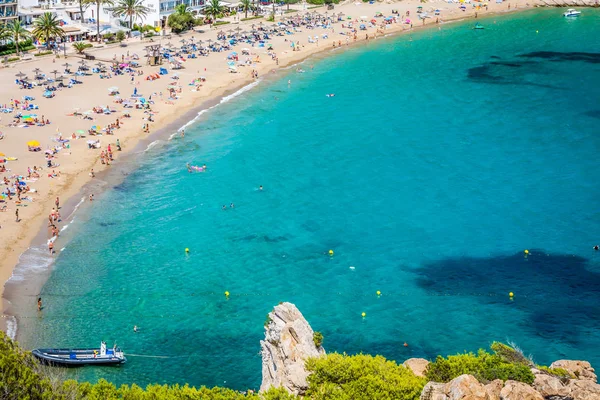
[{"x": 77, "y": 357}]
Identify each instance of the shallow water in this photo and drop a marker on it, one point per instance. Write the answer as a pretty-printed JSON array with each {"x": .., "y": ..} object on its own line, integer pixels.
[{"x": 443, "y": 155}]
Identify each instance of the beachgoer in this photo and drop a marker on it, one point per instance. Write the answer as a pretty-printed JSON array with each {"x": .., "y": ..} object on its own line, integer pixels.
[
  {"x": 260, "y": 187},
  {"x": 596, "y": 247},
  {"x": 57, "y": 202},
  {"x": 17, "y": 215},
  {"x": 183, "y": 133},
  {"x": 231, "y": 205},
  {"x": 51, "y": 247},
  {"x": 39, "y": 304},
  {"x": 135, "y": 328},
  {"x": 91, "y": 197},
  {"x": 224, "y": 207},
  {"x": 92, "y": 173}
]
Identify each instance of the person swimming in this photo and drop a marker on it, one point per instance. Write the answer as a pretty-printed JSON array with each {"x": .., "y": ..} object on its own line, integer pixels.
[
  {"x": 330, "y": 95},
  {"x": 260, "y": 187},
  {"x": 195, "y": 168},
  {"x": 136, "y": 329},
  {"x": 596, "y": 247}
]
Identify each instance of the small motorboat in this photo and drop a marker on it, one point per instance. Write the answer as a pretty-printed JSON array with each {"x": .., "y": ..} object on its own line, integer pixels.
[
  {"x": 80, "y": 357},
  {"x": 571, "y": 12}
]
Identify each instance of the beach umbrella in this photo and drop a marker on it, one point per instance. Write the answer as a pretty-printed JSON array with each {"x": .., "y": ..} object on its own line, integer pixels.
[
  {"x": 55, "y": 72},
  {"x": 2, "y": 155},
  {"x": 97, "y": 127},
  {"x": 209, "y": 41},
  {"x": 20, "y": 75},
  {"x": 37, "y": 71},
  {"x": 238, "y": 29},
  {"x": 33, "y": 143},
  {"x": 230, "y": 31}
]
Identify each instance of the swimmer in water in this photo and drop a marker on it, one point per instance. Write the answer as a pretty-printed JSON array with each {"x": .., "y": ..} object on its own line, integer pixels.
[
  {"x": 260, "y": 187},
  {"x": 596, "y": 247},
  {"x": 330, "y": 95},
  {"x": 224, "y": 207},
  {"x": 135, "y": 329},
  {"x": 231, "y": 205},
  {"x": 189, "y": 167},
  {"x": 183, "y": 133}
]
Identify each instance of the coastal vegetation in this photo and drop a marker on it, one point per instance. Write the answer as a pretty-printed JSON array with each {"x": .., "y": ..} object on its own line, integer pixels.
[
  {"x": 318, "y": 339},
  {"x": 47, "y": 28},
  {"x": 16, "y": 32},
  {"x": 181, "y": 20},
  {"x": 133, "y": 9},
  {"x": 334, "y": 376},
  {"x": 504, "y": 363}
]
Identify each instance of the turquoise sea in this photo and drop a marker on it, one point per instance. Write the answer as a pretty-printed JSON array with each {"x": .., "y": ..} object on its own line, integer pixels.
[{"x": 442, "y": 157}]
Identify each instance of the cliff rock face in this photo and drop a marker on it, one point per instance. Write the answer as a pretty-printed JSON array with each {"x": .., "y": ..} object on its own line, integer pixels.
[
  {"x": 581, "y": 369},
  {"x": 466, "y": 387},
  {"x": 545, "y": 386},
  {"x": 514, "y": 390},
  {"x": 417, "y": 366},
  {"x": 288, "y": 342}
]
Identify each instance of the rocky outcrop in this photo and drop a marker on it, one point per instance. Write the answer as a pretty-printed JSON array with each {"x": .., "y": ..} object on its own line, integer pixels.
[
  {"x": 288, "y": 342},
  {"x": 549, "y": 386},
  {"x": 545, "y": 387},
  {"x": 434, "y": 391},
  {"x": 417, "y": 366},
  {"x": 584, "y": 389},
  {"x": 466, "y": 387},
  {"x": 494, "y": 388},
  {"x": 581, "y": 369},
  {"x": 514, "y": 390}
]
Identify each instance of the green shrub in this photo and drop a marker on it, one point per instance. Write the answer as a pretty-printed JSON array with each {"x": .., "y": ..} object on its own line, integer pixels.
[
  {"x": 337, "y": 376},
  {"x": 511, "y": 354},
  {"x": 318, "y": 339},
  {"x": 43, "y": 53},
  {"x": 484, "y": 366},
  {"x": 560, "y": 373},
  {"x": 120, "y": 36},
  {"x": 221, "y": 23}
]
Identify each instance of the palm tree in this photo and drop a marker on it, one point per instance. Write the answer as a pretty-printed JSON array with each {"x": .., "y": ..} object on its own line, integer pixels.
[
  {"x": 80, "y": 47},
  {"x": 47, "y": 27},
  {"x": 17, "y": 32},
  {"x": 182, "y": 9},
  {"x": 133, "y": 9},
  {"x": 213, "y": 10},
  {"x": 246, "y": 5},
  {"x": 99, "y": 3}
]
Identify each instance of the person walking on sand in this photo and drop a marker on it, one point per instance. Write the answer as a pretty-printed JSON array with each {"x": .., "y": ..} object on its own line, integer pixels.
[
  {"x": 39, "y": 304},
  {"x": 51, "y": 247},
  {"x": 57, "y": 202},
  {"x": 17, "y": 215}
]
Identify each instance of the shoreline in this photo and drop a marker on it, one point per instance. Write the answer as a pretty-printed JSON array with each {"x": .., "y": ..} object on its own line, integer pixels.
[{"x": 78, "y": 184}]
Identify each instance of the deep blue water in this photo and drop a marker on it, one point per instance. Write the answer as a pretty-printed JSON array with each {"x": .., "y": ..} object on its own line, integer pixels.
[{"x": 443, "y": 156}]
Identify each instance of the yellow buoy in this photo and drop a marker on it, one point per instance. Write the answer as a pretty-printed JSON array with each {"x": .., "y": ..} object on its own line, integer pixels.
[
  {"x": 511, "y": 294},
  {"x": 526, "y": 251},
  {"x": 364, "y": 314},
  {"x": 378, "y": 293},
  {"x": 226, "y": 294},
  {"x": 330, "y": 252},
  {"x": 187, "y": 250}
]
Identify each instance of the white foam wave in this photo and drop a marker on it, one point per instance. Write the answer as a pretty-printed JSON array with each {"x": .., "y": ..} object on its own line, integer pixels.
[
  {"x": 151, "y": 145},
  {"x": 225, "y": 99},
  {"x": 33, "y": 260},
  {"x": 11, "y": 326}
]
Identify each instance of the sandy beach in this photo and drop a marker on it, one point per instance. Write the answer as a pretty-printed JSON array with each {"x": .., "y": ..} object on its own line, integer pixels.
[{"x": 71, "y": 112}]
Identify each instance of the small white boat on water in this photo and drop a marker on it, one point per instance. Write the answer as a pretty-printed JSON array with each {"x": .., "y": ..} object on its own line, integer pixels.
[{"x": 571, "y": 12}]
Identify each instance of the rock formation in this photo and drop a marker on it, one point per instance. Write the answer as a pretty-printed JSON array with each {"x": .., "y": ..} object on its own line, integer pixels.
[
  {"x": 545, "y": 386},
  {"x": 417, "y": 366},
  {"x": 581, "y": 369},
  {"x": 288, "y": 342}
]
